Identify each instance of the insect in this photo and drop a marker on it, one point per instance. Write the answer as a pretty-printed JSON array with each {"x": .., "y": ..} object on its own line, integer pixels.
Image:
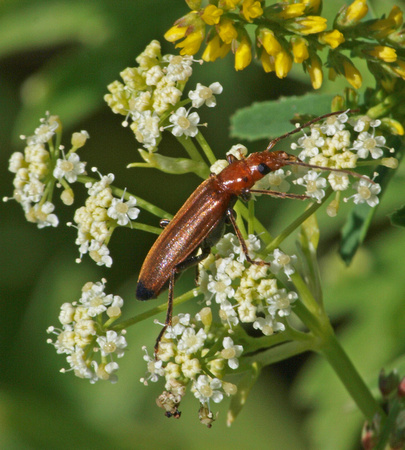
[{"x": 200, "y": 222}]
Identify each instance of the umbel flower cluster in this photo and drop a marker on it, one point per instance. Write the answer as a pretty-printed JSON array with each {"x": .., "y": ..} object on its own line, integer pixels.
[
  {"x": 294, "y": 32},
  {"x": 91, "y": 348},
  {"x": 150, "y": 97}
]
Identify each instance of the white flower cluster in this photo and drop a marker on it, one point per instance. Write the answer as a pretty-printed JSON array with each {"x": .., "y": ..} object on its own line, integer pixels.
[
  {"x": 245, "y": 292},
  {"x": 152, "y": 91},
  {"x": 191, "y": 353},
  {"x": 82, "y": 337},
  {"x": 40, "y": 167},
  {"x": 331, "y": 144},
  {"x": 99, "y": 217}
]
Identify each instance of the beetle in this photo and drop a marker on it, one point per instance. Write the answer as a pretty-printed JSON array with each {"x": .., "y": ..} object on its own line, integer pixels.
[{"x": 200, "y": 222}]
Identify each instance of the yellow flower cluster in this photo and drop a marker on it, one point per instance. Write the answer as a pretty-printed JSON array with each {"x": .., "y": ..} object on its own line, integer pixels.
[{"x": 292, "y": 32}]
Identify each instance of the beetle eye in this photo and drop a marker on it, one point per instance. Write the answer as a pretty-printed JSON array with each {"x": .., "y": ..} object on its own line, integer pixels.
[{"x": 263, "y": 169}]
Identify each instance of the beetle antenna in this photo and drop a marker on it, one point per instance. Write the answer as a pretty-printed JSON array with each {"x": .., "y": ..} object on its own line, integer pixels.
[
  {"x": 331, "y": 169},
  {"x": 273, "y": 142}
]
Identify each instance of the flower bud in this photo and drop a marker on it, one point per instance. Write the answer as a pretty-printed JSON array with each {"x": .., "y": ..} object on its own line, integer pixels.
[
  {"x": 79, "y": 139},
  {"x": 67, "y": 197},
  {"x": 350, "y": 15}
]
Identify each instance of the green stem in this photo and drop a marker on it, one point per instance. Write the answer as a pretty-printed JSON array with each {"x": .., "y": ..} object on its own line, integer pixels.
[
  {"x": 345, "y": 370},
  {"x": 276, "y": 354},
  {"x": 153, "y": 312},
  {"x": 190, "y": 148},
  {"x": 259, "y": 228},
  {"x": 205, "y": 147},
  {"x": 296, "y": 223}
]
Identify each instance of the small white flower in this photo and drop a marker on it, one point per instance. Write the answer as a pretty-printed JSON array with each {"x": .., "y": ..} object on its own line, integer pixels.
[
  {"x": 155, "y": 369},
  {"x": 268, "y": 325},
  {"x": 191, "y": 342},
  {"x": 112, "y": 342},
  {"x": 227, "y": 314},
  {"x": 191, "y": 367},
  {"x": 204, "y": 94},
  {"x": 206, "y": 389},
  {"x": 69, "y": 168},
  {"x": 41, "y": 215},
  {"x": 366, "y": 192},
  {"x": 334, "y": 124},
  {"x": 184, "y": 123},
  {"x": 282, "y": 261},
  {"x": 218, "y": 166},
  {"x": 369, "y": 144},
  {"x": 67, "y": 311},
  {"x": 179, "y": 68},
  {"x": 179, "y": 324},
  {"x": 280, "y": 303},
  {"x": 310, "y": 144},
  {"x": 313, "y": 184},
  {"x": 231, "y": 352},
  {"x": 239, "y": 151},
  {"x": 220, "y": 286},
  {"x": 338, "y": 181},
  {"x": 100, "y": 253},
  {"x": 95, "y": 300},
  {"x": 122, "y": 211},
  {"x": 247, "y": 311},
  {"x": 16, "y": 162}
]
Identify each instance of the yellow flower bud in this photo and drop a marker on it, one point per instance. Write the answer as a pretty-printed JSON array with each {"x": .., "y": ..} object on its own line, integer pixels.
[
  {"x": 251, "y": 9},
  {"x": 314, "y": 67},
  {"x": 393, "y": 126},
  {"x": 399, "y": 68},
  {"x": 226, "y": 30},
  {"x": 67, "y": 197},
  {"x": 268, "y": 62},
  {"x": 386, "y": 54},
  {"x": 283, "y": 63},
  {"x": 215, "y": 49},
  {"x": 332, "y": 38},
  {"x": 352, "y": 75},
  {"x": 307, "y": 25},
  {"x": 356, "y": 11},
  {"x": 285, "y": 11},
  {"x": 396, "y": 15},
  {"x": 211, "y": 15},
  {"x": 243, "y": 53},
  {"x": 228, "y": 4},
  {"x": 269, "y": 42},
  {"x": 312, "y": 6},
  {"x": 299, "y": 46},
  {"x": 391, "y": 163}
]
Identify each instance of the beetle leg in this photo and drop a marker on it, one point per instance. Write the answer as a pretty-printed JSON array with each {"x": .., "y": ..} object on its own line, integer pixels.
[
  {"x": 278, "y": 194},
  {"x": 242, "y": 242},
  {"x": 169, "y": 312},
  {"x": 192, "y": 260}
]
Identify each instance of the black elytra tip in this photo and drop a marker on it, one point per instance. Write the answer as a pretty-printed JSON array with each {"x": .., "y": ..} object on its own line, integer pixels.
[{"x": 143, "y": 293}]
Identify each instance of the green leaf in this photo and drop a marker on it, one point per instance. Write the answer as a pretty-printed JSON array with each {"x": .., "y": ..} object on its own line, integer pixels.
[
  {"x": 308, "y": 239},
  {"x": 358, "y": 221},
  {"x": 398, "y": 217},
  {"x": 272, "y": 118},
  {"x": 168, "y": 164}
]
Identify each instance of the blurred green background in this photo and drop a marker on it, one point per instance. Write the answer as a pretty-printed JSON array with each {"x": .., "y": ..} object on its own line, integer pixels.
[{"x": 58, "y": 56}]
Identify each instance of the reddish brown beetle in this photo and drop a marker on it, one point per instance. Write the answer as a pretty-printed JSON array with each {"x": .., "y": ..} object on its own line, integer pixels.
[{"x": 200, "y": 222}]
